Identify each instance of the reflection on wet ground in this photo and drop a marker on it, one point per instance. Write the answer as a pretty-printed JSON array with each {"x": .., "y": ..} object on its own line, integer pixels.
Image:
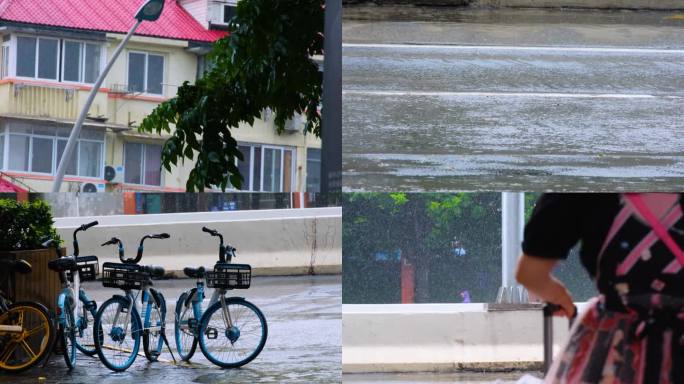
[
  {"x": 515, "y": 105},
  {"x": 303, "y": 346}
]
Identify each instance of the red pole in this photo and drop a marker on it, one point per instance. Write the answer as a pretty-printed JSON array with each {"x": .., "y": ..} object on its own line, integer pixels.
[
  {"x": 129, "y": 203},
  {"x": 408, "y": 282}
]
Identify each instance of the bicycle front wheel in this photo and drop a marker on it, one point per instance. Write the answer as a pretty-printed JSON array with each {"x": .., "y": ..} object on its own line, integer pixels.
[
  {"x": 65, "y": 334},
  {"x": 119, "y": 331},
  {"x": 153, "y": 336},
  {"x": 233, "y": 335},
  {"x": 22, "y": 350},
  {"x": 185, "y": 328}
]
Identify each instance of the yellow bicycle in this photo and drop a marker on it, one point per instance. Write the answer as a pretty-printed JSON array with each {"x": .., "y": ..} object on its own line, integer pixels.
[{"x": 26, "y": 332}]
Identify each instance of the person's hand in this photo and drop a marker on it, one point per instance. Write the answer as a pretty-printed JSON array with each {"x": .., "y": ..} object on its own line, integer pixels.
[{"x": 559, "y": 295}]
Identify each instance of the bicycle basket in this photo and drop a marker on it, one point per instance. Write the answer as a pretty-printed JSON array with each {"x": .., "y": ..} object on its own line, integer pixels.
[
  {"x": 123, "y": 276},
  {"x": 88, "y": 268},
  {"x": 230, "y": 276}
]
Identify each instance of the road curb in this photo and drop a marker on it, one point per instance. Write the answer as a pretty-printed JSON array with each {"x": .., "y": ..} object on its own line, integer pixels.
[
  {"x": 277, "y": 271},
  {"x": 638, "y": 5}
]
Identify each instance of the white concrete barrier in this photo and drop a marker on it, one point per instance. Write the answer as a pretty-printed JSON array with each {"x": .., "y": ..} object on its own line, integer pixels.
[
  {"x": 283, "y": 241},
  {"x": 443, "y": 337}
]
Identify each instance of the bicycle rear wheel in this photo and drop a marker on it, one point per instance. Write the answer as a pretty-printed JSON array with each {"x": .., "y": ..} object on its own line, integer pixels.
[
  {"x": 21, "y": 351},
  {"x": 119, "y": 331},
  {"x": 85, "y": 341},
  {"x": 185, "y": 328},
  {"x": 234, "y": 337},
  {"x": 153, "y": 337},
  {"x": 65, "y": 334}
]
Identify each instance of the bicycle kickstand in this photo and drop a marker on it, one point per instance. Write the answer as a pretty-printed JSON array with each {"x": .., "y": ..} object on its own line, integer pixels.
[{"x": 166, "y": 341}]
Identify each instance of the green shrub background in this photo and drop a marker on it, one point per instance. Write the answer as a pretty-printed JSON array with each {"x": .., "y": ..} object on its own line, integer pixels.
[{"x": 25, "y": 225}]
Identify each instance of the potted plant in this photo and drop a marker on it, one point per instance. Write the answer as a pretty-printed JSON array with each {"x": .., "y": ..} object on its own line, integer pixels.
[{"x": 23, "y": 228}]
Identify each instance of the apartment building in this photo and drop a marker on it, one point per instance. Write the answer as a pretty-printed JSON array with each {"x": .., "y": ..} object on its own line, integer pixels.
[{"x": 53, "y": 51}]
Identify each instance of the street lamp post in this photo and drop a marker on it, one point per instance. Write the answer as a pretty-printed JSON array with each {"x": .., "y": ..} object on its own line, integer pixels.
[{"x": 149, "y": 11}]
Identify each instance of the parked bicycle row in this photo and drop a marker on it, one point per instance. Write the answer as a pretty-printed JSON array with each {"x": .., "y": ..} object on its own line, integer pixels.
[{"x": 230, "y": 331}]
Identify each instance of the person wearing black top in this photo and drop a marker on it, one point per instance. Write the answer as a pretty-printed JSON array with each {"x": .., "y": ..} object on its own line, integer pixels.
[{"x": 631, "y": 246}]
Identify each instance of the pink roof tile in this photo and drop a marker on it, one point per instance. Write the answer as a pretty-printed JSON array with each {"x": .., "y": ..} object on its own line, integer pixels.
[{"x": 107, "y": 16}]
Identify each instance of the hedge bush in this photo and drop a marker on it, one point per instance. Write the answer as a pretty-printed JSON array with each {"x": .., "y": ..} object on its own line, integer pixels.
[{"x": 25, "y": 225}]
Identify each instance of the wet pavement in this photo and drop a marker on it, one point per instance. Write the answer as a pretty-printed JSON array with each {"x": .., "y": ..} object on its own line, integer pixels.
[
  {"x": 303, "y": 345},
  {"x": 429, "y": 377},
  {"x": 514, "y": 100}
]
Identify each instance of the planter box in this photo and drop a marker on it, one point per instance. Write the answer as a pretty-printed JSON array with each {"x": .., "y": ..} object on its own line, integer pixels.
[{"x": 41, "y": 285}]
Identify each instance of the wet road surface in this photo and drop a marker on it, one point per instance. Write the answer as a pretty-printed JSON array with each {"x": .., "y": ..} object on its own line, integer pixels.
[
  {"x": 514, "y": 100},
  {"x": 419, "y": 378},
  {"x": 303, "y": 345}
]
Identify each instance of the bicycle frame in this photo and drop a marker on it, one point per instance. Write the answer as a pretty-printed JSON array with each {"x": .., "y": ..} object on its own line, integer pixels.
[
  {"x": 4, "y": 307},
  {"x": 146, "y": 306},
  {"x": 69, "y": 292},
  {"x": 218, "y": 295}
]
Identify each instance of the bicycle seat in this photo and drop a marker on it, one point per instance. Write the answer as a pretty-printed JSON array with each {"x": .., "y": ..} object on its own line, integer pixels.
[
  {"x": 20, "y": 265},
  {"x": 63, "y": 264},
  {"x": 197, "y": 273}
]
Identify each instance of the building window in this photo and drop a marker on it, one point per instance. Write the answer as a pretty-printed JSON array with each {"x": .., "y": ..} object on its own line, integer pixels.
[
  {"x": 267, "y": 168},
  {"x": 145, "y": 73},
  {"x": 39, "y": 150},
  {"x": 272, "y": 170},
  {"x": 228, "y": 12},
  {"x": 313, "y": 170},
  {"x": 81, "y": 62},
  {"x": 4, "y": 64},
  {"x": 37, "y": 57},
  {"x": 26, "y": 56},
  {"x": 142, "y": 164}
]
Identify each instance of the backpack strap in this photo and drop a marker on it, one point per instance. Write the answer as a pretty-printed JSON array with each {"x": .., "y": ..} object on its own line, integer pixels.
[{"x": 635, "y": 200}]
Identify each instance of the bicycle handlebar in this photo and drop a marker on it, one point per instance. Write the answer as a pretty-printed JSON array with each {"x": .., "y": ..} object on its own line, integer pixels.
[
  {"x": 114, "y": 241},
  {"x": 223, "y": 250},
  {"x": 138, "y": 256},
  {"x": 83, "y": 227}
]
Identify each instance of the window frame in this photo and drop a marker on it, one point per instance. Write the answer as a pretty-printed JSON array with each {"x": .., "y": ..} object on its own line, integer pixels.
[
  {"x": 143, "y": 178},
  {"x": 223, "y": 5},
  {"x": 308, "y": 159},
  {"x": 6, "y": 56},
  {"x": 147, "y": 55},
  {"x": 251, "y": 157},
  {"x": 55, "y": 140},
  {"x": 13, "y": 43},
  {"x": 38, "y": 38}
]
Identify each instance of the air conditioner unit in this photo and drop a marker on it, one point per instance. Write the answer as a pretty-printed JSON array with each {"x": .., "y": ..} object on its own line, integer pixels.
[
  {"x": 92, "y": 187},
  {"x": 294, "y": 124},
  {"x": 114, "y": 174}
]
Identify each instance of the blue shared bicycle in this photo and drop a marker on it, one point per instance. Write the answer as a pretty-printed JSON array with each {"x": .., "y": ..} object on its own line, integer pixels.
[
  {"x": 232, "y": 331},
  {"x": 75, "y": 310},
  {"x": 120, "y": 323}
]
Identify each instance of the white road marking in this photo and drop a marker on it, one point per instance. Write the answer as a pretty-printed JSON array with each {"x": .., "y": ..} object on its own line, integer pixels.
[
  {"x": 511, "y": 94},
  {"x": 513, "y": 48}
]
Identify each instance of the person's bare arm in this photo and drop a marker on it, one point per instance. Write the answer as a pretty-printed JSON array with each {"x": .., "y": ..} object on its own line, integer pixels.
[{"x": 535, "y": 274}]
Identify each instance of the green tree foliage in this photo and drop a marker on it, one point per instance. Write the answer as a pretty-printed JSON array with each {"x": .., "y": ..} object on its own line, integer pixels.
[
  {"x": 266, "y": 62},
  {"x": 24, "y": 226}
]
